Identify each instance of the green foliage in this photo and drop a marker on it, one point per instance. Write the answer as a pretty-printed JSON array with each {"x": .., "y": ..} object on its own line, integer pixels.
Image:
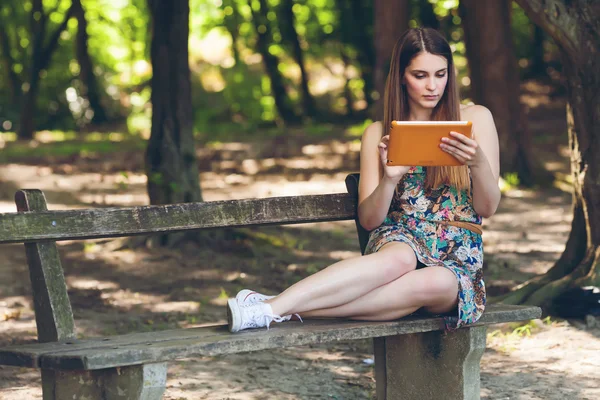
[
  {"x": 519, "y": 330},
  {"x": 229, "y": 83},
  {"x": 509, "y": 181}
]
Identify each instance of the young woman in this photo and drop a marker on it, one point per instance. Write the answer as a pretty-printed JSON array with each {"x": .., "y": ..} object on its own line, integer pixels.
[{"x": 425, "y": 248}]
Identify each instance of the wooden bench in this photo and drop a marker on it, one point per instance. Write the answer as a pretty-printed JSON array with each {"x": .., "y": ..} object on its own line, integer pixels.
[{"x": 414, "y": 357}]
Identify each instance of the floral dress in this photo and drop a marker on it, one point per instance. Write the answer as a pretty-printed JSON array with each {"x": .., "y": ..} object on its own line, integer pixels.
[{"x": 410, "y": 220}]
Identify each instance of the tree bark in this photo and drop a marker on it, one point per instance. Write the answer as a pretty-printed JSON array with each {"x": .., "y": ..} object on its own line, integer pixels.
[
  {"x": 232, "y": 23},
  {"x": 271, "y": 63},
  {"x": 91, "y": 87},
  {"x": 288, "y": 30},
  {"x": 537, "y": 68},
  {"x": 354, "y": 14},
  {"x": 14, "y": 81},
  {"x": 391, "y": 20},
  {"x": 347, "y": 91},
  {"x": 41, "y": 57},
  {"x": 495, "y": 84},
  {"x": 171, "y": 167},
  {"x": 573, "y": 25},
  {"x": 427, "y": 15}
]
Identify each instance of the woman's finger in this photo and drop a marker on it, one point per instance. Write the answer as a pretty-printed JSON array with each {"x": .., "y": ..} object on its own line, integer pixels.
[
  {"x": 457, "y": 153},
  {"x": 463, "y": 138},
  {"x": 468, "y": 149}
]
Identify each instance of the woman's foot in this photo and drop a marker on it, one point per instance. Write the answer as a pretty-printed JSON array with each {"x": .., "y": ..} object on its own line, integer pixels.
[
  {"x": 248, "y": 316},
  {"x": 248, "y": 296}
]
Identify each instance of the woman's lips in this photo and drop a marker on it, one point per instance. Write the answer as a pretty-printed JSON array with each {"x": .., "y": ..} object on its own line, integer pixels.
[{"x": 431, "y": 97}]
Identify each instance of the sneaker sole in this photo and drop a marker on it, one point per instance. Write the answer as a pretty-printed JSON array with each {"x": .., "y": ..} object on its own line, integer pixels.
[{"x": 233, "y": 315}]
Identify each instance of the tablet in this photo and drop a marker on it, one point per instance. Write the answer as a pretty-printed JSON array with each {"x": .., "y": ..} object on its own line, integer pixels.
[{"x": 417, "y": 143}]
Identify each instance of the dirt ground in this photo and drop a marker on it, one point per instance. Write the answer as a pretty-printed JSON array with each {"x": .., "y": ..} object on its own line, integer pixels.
[{"x": 140, "y": 288}]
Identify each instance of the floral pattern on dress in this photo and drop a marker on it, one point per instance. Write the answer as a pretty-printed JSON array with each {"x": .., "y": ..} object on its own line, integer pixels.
[{"x": 411, "y": 219}]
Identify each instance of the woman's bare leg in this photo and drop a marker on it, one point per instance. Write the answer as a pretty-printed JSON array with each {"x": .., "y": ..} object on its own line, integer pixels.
[
  {"x": 346, "y": 280},
  {"x": 434, "y": 288}
]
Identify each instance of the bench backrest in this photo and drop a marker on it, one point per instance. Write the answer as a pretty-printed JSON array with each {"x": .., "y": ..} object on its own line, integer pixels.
[{"x": 39, "y": 229}]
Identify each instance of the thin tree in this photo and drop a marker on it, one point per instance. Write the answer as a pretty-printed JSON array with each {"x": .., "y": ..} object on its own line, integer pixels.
[
  {"x": 232, "y": 21},
  {"x": 91, "y": 86},
  {"x": 427, "y": 14},
  {"x": 356, "y": 25},
  {"x": 14, "y": 80},
  {"x": 43, "y": 46},
  {"x": 287, "y": 21},
  {"x": 264, "y": 38},
  {"x": 573, "y": 25},
  {"x": 171, "y": 157},
  {"x": 537, "y": 66}
]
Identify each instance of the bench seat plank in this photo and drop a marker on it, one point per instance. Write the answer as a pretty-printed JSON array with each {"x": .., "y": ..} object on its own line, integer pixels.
[
  {"x": 25, "y": 227},
  {"x": 151, "y": 347}
]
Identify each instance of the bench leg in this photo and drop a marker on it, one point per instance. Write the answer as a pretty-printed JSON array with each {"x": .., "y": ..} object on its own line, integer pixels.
[
  {"x": 139, "y": 382},
  {"x": 430, "y": 365}
]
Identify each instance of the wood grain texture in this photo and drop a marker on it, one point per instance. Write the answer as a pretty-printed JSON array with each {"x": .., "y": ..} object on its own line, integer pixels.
[
  {"x": 150, "y": 347},
  {"x": 114, "y": 222},
  {"x": 53, "y": 313}
]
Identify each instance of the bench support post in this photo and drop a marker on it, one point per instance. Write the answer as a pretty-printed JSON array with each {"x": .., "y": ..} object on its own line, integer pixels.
[
  {"x": 139, "y": 382},
  {"x": 430, "y": 365}
]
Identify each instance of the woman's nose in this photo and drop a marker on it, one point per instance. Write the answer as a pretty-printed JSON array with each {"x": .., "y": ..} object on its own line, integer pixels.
[{"x": 431, "y": 84}]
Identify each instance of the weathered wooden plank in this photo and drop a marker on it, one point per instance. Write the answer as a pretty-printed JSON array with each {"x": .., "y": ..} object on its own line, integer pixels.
[
  {"x": 53, "y": 314},
  {"x": 139, "y": 348},
  {"x": 114, "y": 222}
]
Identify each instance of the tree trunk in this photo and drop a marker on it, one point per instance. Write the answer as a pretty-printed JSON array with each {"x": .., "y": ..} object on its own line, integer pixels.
[
  {"x": 362, "y": 15},
  {"x": 41, "y": 57},
  {"x": 91, "y": 88},
  {"x": 537, "y": 68},
  {"x": 427, "y": 15},
  {"x": 232, "y": 22},
  {"x": 271, "y": 63},
  {"x": 391, "y": 20},
  {"x": 495, "y": 83},
  {"x": 288, "y": 30},
  {"x": 14, "y": 82},
  {"x": 171, "y": 167},
  {"x": 572, "y": 25}
]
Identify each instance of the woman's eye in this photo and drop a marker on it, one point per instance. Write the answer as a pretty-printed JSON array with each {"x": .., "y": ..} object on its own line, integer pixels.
[
  {"x": 441, "y": 75},
  {"x": 420, "y": 76}
]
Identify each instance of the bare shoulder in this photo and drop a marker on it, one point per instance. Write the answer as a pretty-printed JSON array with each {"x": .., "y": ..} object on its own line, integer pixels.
[
  {"x": 475, "y": 113},
  {"x": 373, "y": 132},
  {"x": 484, "y": 127}
]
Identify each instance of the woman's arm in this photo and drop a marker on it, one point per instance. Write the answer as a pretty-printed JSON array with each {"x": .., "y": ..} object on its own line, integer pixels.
[
  {"x": 482, "y": 157},
  {"x": 377, "y": 182}
]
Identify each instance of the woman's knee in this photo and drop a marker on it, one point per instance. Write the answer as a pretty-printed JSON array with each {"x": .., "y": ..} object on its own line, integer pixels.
[{"x": 399, "y": 259}]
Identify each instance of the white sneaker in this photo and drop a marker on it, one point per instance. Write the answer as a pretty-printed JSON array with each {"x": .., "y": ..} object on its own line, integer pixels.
[
  {"x": 257, "y": 315},
  {"x": 246, "y": 297}
]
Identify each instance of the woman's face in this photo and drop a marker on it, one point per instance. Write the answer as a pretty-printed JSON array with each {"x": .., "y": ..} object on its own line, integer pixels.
[{"x": 425, "y": 79}]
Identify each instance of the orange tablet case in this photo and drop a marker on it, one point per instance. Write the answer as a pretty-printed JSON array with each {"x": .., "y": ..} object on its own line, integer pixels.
[{"x": 417, "y": 143}]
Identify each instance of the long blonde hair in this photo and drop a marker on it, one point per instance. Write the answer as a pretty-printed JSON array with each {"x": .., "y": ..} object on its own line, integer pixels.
[{"x": 395, "y": 108}]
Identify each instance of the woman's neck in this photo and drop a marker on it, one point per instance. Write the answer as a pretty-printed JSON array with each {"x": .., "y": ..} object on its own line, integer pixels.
[{"x": 419, "y": 114}]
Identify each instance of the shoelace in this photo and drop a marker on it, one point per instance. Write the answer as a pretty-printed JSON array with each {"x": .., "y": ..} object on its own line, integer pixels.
[
  {"x": 272, "y": 317},
  {"x": 269, "y": 297},
  {"x": 299, "y": 317},
  {"x": 256, "y": 313},
  {"x": 258, "y": 317}
]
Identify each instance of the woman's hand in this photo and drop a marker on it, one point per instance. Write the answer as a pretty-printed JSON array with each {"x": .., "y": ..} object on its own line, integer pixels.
[
  {"x": 392, "y": 173},
  {"x": 465, "y": 150}
]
